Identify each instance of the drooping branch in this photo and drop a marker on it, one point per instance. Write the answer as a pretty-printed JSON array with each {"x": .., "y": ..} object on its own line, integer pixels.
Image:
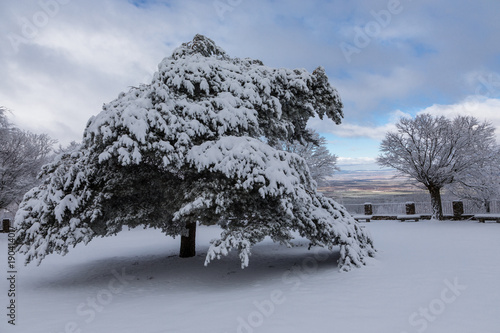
[{"x": 196, "y": 145}]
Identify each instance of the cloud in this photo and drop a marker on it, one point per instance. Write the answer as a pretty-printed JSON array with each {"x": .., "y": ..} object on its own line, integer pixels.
[
  {"x": 66, "y": 67},
  {"x": 86, "y": 52},
  {"x": 483, "y": 109},
  {"x": 366, "y": 93},
  {"x": 358, "y": 164},
  {"x": 355, "y": 160},
  {"x": 350, "y": 130}
]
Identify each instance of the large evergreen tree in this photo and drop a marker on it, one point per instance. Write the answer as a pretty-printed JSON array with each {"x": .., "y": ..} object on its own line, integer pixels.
[{"x": 196, "y": 146}]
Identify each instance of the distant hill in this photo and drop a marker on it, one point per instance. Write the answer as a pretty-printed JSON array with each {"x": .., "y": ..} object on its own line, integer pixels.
[{"x": 382, "y": 185}]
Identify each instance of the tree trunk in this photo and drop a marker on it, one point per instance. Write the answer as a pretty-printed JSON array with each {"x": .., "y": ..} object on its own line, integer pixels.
[
  {"x": 188, "y": 243},
  {"x": 487, "y": 206},
  {"x": 437, "y": 209}
]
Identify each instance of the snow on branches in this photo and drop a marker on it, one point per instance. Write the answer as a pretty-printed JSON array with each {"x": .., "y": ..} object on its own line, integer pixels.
[
  {"x": 439, "y": 152},
  {"x": 196, "y": 145}
]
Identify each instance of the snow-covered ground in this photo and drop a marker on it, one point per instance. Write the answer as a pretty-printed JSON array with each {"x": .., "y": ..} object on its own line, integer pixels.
[{"x": 428, "y": 277}]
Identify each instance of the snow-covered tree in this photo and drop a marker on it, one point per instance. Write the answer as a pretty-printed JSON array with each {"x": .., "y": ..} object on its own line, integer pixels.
[
  {"x": 196, "y": 146},
  {"x": 481, "y": 182},
  {"x": 436, "y": 151},
  {"x": 4, "y": 122},
  {"x": 320, "y": 161},
  {"x": 22, "y": 155}
]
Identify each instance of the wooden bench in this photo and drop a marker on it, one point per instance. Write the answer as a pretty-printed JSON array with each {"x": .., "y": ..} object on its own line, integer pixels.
[
  {"x": 414, "y": 217},
  {"x": 365, "y": 218},
  {"x": 487, "y": 217}
]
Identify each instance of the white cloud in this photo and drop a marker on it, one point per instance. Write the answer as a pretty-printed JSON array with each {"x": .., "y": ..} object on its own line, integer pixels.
[
  {"x": 352, "y": 130},
  {"x": 355, "y": 160},
  {"x": 349, "y": 130},
  {"x": 365, "y": 90},
  {"x": 91, "y": 50},
  {"x": 358, "y": 163},
  {"x": 480, "y": 108},
  {"x": 83, "y": 56}
]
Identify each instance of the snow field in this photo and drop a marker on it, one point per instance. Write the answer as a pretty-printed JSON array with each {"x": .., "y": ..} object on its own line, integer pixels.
[{"x": 428, "y": 276}]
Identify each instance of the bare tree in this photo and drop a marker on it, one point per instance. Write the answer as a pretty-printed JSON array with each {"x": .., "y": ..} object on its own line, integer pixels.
[
  {"x": 320, "y": 161},
  {"x": 436, "y": 151},
  {"x": 22, "y": 155},
  {"x": 4, "y": 123},
  {"x": 480, "y": 183}
]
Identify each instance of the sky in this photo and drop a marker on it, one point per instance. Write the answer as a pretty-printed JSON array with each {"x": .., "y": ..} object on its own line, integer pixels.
[{"x": 61, "y": 60}]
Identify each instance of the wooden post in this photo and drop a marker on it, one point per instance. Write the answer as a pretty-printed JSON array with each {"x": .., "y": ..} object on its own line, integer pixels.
[
  {"x": 410, "y": 208},
  {"x": 368, "y": 208},
  {"x": 458, "y": 210},
  {"x": 6, "y": 225}
]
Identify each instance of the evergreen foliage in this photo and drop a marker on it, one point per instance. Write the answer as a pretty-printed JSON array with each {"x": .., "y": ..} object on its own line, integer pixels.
[{"x": 196, "y": 146}]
